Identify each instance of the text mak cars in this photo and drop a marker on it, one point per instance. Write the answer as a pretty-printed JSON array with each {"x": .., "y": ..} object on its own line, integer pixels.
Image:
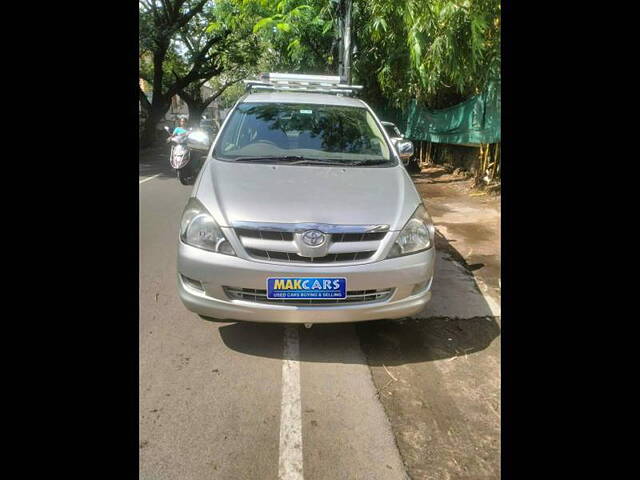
[{"x": 303, "y": 213}]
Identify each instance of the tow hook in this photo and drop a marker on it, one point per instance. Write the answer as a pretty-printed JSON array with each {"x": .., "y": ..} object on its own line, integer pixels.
[{"x": 308, "y": 325}]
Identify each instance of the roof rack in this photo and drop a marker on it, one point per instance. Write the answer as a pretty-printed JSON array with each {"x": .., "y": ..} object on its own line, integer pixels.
[{"x": 292, "y": 82}]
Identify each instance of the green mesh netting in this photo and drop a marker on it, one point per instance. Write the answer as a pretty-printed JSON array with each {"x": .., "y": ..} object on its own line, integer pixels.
[{"x": 474, "y": 121}]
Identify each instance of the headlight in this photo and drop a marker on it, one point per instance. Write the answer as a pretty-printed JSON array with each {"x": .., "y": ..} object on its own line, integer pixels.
[
  {"x": 416, "y": 236},
  {"x": 199, "y": 136},
  {"x": 199, "y": 229}
]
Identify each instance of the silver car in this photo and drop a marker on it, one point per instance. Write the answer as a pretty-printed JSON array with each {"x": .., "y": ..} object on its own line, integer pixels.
[{"x": 303, "y": 213}]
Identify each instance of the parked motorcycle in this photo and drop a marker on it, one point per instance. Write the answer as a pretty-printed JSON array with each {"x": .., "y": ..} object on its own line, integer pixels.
[{"x": 181, "y": 153}]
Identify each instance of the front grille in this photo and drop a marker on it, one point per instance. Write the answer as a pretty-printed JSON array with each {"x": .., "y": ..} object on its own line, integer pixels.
[
  {"x": 294, "y": 257},
  {"x": 357, "y": 237},
  {"x": 264, "y": 234},
  {"x": 353, "y": 297},
  {"x": 281, "y": 245}
]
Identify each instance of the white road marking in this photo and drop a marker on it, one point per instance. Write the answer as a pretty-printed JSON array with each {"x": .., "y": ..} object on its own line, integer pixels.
[
  {"x": 149, "y": 178},
  {"x": 290, "y": 461}
]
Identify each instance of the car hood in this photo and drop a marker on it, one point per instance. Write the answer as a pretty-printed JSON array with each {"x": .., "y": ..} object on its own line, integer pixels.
[{"x": 245, "y": 192}]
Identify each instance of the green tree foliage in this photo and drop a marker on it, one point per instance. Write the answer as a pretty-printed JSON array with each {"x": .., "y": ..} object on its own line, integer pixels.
[
  {"x": 232, "y": 60},
  {"x": 186, "y": 42},
  {"x": 231, "y": 95},
  {"x": 298, "y": 35},
  {"x": 438, "y": 51}
]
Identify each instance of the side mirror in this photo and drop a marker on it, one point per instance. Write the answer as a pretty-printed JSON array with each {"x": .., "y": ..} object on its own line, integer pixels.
[{"x": 405, "y": 149}]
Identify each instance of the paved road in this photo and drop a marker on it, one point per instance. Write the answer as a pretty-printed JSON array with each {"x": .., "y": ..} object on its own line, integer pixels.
[
  {"x": 257, "y": 401},
  {"x": 212, "y": 394}
]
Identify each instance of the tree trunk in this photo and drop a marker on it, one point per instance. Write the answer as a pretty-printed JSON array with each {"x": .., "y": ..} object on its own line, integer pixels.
[
  {"x": 156, "y": 113},
  {"x": 159, "y": 104},
  {"x": 144, "y": 102},
  {"x": 197, "y": 105},
  {"x": 196, "y": 109}
]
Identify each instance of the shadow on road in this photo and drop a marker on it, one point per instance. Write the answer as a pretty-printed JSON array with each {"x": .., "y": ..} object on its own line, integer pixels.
[
  {"x": 458, "y": 321},
  {"x": 155, "y": 161}
]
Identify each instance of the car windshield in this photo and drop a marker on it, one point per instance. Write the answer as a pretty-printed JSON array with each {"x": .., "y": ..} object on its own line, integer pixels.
[{"x": 303, "y": 132}]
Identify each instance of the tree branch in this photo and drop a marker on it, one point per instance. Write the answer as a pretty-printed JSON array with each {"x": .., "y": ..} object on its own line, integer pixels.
[
  {"x": 172, "y": 9},
  {"x": 186, "y": 96},
  {"x": 219, "y": 92},
  {"x": 189, "y": 15},
  {"x": 196, "y": 71},
  {"x": 177, "y": 6},
  {"x": 187, "y": 42},
  {"x": 167, "y": 9},
  {"x": 151, "y": 7},
  {"x": 195, "y": 98}
]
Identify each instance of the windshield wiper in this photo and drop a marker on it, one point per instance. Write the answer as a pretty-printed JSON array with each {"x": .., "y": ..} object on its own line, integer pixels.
[
  {"x": 286, "y": 158},
  {"x": 317, "y": 161},
  {"x": 300, "y": 160},
  {"x": 373, "y": 161},
  {"x": 291, "y": 160}
]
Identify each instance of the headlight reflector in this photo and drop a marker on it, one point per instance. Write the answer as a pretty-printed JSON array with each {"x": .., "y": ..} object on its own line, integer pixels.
[
  {"x": 416, "y": 236},
  {"x": 199, "y": 229}
]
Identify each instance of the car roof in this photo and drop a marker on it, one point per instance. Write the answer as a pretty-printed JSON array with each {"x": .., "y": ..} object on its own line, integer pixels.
[{"x": 303, "y": 97}]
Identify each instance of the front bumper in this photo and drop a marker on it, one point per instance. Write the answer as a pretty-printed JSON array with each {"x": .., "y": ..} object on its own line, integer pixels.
[{"x": 410, "y": 277}]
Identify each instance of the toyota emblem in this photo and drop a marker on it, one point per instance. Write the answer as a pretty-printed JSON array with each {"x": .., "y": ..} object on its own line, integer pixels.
[{"x": 313, "y": 238}]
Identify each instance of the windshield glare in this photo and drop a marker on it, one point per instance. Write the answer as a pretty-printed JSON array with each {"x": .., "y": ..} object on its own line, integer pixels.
[{"x": 348, "y": 135}]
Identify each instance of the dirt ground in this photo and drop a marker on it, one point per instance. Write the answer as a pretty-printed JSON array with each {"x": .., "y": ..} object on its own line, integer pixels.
[
  {"x": 438, "y": 373},
  {"x": 467, "y": 218}
]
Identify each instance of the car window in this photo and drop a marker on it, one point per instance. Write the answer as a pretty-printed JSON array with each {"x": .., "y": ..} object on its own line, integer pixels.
[
  {"x": 321, "y": 132},
  {"x": 392, "y": 131}
]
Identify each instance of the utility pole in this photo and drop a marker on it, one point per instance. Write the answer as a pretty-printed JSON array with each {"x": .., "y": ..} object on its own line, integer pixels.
[
  {"x": 347, "y": 42},
  {"x": 340, "y": 42},
  {"x": 344, "y": 32}
]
